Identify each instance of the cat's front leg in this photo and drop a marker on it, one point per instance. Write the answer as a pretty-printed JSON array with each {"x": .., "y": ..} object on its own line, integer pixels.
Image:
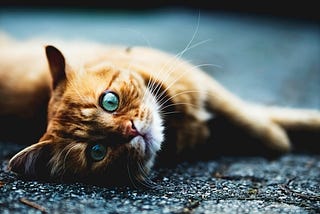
[
  {"x": 257, "y": 122},
  {"x": 253, "y": 120},
  {"x": 269, "y": 124},
  {"x": 285, "y": 119}
]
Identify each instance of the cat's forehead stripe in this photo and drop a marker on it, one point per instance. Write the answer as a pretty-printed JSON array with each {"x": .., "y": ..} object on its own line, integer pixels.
[
  {"x": 114, "y": 76},
  {"x": 77, "y": 105}
]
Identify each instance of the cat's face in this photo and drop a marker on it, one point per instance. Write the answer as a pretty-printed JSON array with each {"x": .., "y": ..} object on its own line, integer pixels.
[{"x": 104, "y": 127}]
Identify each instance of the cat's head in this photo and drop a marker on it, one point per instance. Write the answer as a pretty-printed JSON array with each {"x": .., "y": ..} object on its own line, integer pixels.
[{"x": 104, "y": 126}]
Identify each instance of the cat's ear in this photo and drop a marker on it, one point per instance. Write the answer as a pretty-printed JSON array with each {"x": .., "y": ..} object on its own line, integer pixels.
[
  {"x": 57, "y": 65},
  {"x": 32, "y": 161}
]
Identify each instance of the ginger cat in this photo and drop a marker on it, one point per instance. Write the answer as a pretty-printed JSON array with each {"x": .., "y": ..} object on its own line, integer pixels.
[{"x": 111, "y": 109}]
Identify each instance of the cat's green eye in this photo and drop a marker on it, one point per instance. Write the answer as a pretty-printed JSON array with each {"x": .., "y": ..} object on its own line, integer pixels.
[
  {"x": 98, "y": 152},
  {"x": 109, "y": 101}
]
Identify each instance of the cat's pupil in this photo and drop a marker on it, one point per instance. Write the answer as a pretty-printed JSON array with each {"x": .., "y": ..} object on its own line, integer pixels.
[
  {"x": 109, "y": 101},
  {"x": 98, "y": 152}
]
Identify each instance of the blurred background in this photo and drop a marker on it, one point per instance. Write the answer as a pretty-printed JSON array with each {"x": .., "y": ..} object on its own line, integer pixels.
[
  {"x": 296, "y": 9},
  {"x": 264, "y": 51}
]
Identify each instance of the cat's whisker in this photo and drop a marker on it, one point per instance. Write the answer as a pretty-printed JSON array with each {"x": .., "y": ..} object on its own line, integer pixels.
[
  {"x": 153, "y": 86},
  {"x": 144, "y": 183},
  {"x": 59, "y": 168},
  {"x": 150, "y": 86},
  {"x": 206, "y": 65},
  {"x": 177, "y": 104},
  {"x": 64, "y": 160},
  {"x": 179, "y": 77},
  {"x": 168, "y": 72},
  {"x": 132, "y": 180},
  {"x": 198, "y": 44},
  {"x": 66, "y": 156},
  {"x": 187, "y": 48},
  {"x": 170, "y": 112},
  {"x": 172, "y": 83},
  {"x": 147, "y": 182},
  {"x": 178, "y": 56},
  {"x": 162, "y": 101},
  {"x": 133, "y": 177},
  {"x": 146, "y": 91},
  {"x": 142, "y": 170}
]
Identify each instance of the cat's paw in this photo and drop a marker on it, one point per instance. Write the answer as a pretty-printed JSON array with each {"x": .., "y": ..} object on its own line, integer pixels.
[
  {"x": 268, "y": 131},
  {"x": 282, "y": 119},
  {"x": 276, "y": 137}
]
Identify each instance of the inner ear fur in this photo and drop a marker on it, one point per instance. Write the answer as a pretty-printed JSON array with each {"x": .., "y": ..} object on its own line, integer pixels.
[
  {"x": 57, "y": 65},
  {"x": 32, "y": 162}
]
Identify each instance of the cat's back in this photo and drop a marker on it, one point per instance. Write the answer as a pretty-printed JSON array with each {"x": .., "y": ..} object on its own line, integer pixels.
[
  {"x": 23, "y": 77},
  {"x": 27, "y": 58},
  {"x": 171, "y": 70}
]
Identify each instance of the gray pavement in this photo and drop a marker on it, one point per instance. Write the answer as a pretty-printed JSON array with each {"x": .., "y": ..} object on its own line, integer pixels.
[
  {"x": 265, "y": 60},
  {"x": 289, "y": 184}
]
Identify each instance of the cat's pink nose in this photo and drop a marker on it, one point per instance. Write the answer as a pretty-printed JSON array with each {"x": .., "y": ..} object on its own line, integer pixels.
[{"x": 129, "y": 129}]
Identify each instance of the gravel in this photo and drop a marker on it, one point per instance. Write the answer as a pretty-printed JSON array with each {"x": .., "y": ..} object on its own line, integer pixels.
[{"x": 287, "y": 184}]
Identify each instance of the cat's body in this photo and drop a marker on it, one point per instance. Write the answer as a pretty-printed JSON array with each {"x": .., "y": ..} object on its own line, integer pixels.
[{"x": 111, "y": 109}]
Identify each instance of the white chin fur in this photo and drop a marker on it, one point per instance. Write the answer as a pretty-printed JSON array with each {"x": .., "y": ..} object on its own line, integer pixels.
[
  {"x": 156, "y": 131},
  {"x": 153, "y": 129}
]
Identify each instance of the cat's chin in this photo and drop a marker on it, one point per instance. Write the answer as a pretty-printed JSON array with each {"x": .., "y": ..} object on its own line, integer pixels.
[{"x": 146, "y": 145}]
